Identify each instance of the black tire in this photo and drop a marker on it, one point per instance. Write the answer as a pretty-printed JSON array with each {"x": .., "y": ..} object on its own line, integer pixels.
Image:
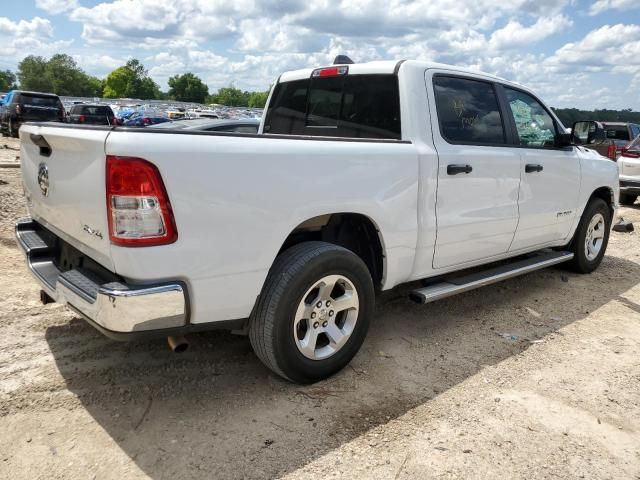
[
  {"x": 12, "y": 130},
  {"x": 294, "y": 272},
  {"x": 580, "y": 262},
  {"x": 627, "y": 198}
]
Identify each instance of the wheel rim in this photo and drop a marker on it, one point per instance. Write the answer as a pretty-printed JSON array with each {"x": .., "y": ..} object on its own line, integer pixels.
[
  {"x": 595, "y": 237},
  {"x": 326, "y": 317}
]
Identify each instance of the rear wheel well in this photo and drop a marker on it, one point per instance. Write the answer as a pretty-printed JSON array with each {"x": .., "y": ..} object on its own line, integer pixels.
[{"x": 352, "y": 231}]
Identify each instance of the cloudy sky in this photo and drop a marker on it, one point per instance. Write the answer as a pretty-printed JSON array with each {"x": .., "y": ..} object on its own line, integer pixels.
[{"x": 583, "y": 53}]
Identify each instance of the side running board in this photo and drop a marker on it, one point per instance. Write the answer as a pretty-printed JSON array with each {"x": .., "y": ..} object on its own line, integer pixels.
[{"x": 452, "y": 286}]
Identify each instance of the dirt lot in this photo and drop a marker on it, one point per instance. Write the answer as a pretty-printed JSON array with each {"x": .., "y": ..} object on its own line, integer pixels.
[{"x": 537, "y": 377}]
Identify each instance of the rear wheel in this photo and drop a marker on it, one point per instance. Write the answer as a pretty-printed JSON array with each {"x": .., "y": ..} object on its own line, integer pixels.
[
  {"x": 12, "y": 131},
  {"x": 627, "y": 198},
  {"x": 313, "y": 313},
  {"x": 591, "y": 237}
]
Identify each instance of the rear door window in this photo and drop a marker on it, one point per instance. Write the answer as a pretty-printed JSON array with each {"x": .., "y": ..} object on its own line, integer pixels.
[
  {"x": 354, "y": 106},
  {"x": 468, "y": 111}
]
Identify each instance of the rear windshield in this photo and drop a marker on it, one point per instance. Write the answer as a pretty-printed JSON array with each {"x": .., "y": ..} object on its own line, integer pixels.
[
  {"x": 355, "y": 106},
  {"x": 39, "y": 100},
  {"x": 617, "y": 132},
  {"x": 98, "y": 110}
]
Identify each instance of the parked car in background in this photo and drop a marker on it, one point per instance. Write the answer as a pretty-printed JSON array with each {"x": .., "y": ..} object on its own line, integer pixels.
[
  {"x": 176, "y": 114},
  {"x": 91, "y": 115},
  {"x": 629, "y": 169},
  {"x": 20, "y": 106},
  {"x": 618, "y": 135},
  {"x": 245, "y": 125},
  {"x": 145, "y": 118}
]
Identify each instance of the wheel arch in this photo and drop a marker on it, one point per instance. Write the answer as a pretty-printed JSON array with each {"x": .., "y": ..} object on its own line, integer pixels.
[
  {"x": 354, "y": 231},
  {"x": 605, "y": 193}
]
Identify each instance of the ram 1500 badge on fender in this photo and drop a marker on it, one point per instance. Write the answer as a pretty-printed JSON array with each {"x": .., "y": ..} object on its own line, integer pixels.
[{"x": 362, "y": 177}]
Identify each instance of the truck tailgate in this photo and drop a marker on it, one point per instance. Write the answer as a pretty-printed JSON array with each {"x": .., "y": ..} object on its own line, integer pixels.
[{"x": 63, "y": 172}]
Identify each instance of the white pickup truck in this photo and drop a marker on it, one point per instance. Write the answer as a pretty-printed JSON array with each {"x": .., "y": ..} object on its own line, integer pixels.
[{"x": 362, "y": 177}]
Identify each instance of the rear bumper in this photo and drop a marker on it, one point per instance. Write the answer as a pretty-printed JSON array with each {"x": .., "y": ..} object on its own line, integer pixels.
[{"x": 118, "y": 310}]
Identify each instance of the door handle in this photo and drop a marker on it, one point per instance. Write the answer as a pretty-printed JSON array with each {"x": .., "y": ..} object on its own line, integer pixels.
[
  {"x": 532, "y": 167},
  {"x": 456, "y": 169}
]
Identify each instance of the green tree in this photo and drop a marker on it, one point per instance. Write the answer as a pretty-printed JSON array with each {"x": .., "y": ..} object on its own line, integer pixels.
[
  {"x": 258, "y": 99},
  {"x": 130, "y": 81},
  {"x": 188, "y": 88},
  {"x": 32, "y": 74},
  {"x": 7, "y": 80},
  {"x": 231, "y": 97},
  {"x": 66, "y": 78},
  {"x": 60, "y": 74}
]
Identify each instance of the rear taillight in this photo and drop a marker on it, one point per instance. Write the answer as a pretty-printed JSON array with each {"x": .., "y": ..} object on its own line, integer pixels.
[
  {"x": 81, "y": 118},
  {"x": 146, "y": 121},
  {"x": 138, "y": 206},
  {"x": 612, "y": 152}
]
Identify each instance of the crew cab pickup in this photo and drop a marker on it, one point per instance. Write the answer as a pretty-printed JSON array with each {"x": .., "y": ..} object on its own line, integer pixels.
[{"x": 361, "y": 177}]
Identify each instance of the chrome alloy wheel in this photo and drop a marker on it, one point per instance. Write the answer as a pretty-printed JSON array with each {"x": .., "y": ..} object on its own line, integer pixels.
[
  {"x": 326, "y": 317},
  {"x": 595, "y": 237}
]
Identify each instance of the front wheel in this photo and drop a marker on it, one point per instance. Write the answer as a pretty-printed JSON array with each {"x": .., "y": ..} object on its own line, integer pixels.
[
  {"x": 591, "y": 237},
  {"x": 313, "y": 313}
]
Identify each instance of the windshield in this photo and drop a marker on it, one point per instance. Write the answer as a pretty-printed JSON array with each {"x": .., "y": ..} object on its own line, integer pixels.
[{"x": 89, "y": 110}]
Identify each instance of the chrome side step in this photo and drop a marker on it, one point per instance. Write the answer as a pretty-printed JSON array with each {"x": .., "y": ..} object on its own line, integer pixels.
[{"x": 452, "y": 286}]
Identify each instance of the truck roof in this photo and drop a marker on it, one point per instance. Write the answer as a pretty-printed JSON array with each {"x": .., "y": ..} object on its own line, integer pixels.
[{"x": 389, "y": 67}]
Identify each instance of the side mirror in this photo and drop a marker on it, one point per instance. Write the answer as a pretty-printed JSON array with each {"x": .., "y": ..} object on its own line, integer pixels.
[{"x": 588, "y": 133}]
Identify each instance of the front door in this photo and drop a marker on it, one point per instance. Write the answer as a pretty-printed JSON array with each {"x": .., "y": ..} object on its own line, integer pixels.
[
  {"x": 550, "y": 186},
  {"x": 478, "y": 172}
]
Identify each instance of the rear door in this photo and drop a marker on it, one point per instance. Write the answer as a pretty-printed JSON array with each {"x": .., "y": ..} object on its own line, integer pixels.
[
  {"x": 478, "y": 171},
  {"x": 65, "y": 189},
  {"x": 550, "y": 187}
]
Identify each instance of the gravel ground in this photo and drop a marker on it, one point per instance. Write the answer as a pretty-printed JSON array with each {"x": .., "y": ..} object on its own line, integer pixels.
[
  {"x": 536, "y": 377},
  {"x": 9, "y": 151}
]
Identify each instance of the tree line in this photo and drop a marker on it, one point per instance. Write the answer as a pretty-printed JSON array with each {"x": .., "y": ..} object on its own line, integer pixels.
[
  {"x": 61, "y": 75},
  {"x": 570, "y": 115}
]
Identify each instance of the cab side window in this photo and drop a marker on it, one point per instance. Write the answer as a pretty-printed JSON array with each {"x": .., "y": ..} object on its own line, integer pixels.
[
  {"x": 535, "y": 127},
  {"x": 468, "y": 111}
]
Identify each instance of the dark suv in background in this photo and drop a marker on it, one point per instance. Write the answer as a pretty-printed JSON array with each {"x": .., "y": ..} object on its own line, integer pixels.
[
  {"x": 91, "y": 114},
  {"x": 19, "y": 106}
]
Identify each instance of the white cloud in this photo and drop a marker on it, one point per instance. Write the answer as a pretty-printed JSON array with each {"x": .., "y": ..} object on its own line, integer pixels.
[
  {"x": 26, "y": 37},
  {"x": 55, "y": 7},
  {"x": 515, "y": 35},
  {"x": 610, "y": 47},
  {"x": 601, "y": 6}
]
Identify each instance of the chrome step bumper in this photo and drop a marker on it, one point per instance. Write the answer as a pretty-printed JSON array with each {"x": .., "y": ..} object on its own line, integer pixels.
[
  {"x": 115, "y": 308},
  {"x": 452, "y": 286}
]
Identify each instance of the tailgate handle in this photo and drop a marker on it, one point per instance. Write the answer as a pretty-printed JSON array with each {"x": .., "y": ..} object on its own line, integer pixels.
[{"x": 39, "y": 140}]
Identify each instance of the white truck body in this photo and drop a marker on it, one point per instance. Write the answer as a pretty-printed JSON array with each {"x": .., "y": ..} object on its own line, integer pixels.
[{"x": 236, "y": 198}]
